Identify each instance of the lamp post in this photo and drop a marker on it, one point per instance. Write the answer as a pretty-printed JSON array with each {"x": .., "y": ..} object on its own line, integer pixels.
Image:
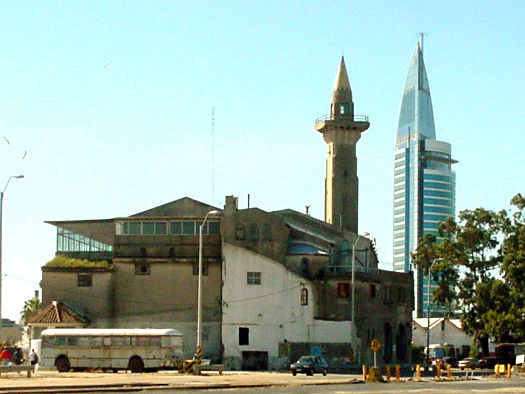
[
  {"x": 1, "y": 208},
  {"x": 428, "y": 304},
  {"x": 199, "y": 291},
  {"x": 354, "y": 329}
]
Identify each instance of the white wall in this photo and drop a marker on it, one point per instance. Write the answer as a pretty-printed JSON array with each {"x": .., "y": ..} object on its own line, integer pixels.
[{"x": 272, "y": 310}]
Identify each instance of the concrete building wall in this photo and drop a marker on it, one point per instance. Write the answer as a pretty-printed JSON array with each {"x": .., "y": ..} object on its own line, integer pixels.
[
  {"x": 271, "y": 312},
  {"x": 95, "y": 301}
]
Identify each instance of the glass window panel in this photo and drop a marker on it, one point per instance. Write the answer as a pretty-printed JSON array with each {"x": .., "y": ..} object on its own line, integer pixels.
[
  {"x": 135, "y": 228},
  {"x": 161, "y": 228},
  {"x": 188, "y": 228},
  {"x": 214, "y": 227},
  {"x": 148, "y": 228},
  {"x": 175, "y": 228}
]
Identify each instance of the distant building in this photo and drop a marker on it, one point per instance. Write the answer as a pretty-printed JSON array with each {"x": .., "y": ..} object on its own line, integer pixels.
[
  {"x": 277, "y": 285},
  {"x": 424, "y": 183},
  {"x": 11, "y": 332},
  {"x": 443, "y": 331}
]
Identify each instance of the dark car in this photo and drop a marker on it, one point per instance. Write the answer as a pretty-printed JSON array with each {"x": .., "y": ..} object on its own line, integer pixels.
[{"x": 310, "y": 365}]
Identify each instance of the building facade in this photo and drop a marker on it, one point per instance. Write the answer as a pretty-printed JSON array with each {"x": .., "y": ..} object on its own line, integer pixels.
[
  {"x": 424, "y": 182},
  {"x": 276, "y": 285}
]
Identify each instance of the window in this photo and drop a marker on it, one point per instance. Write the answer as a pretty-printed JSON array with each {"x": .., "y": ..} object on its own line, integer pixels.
[
  {"x": 175, "y": 228},
  {"x": 304, "y": 296},
  {"x": 214, "y": 228},
  {"x": 148, "y": 228},
  {"x": 161, "y": 228},
  {"x": 253, "y": 233},
  {"x": 239, "y": 232},
  {"x": 343, "y": 290},
  {"x": 135, "y": 228},
  {"x": 443, "y": 325},
  {"x": 253, "y": 278},
  {"x": 372, "y": 291},
  {"x": 267, "y": 232},
  {"x": 84, "y": 280},
  {"x": 142, "y": 269},
  {"x": 244, "y": 336},
  {"x": 188, "y": 228},
  {"x": 205, "y": 269}
]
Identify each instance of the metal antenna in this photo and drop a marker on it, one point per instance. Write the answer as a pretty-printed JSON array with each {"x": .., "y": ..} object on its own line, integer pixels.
[
  {"x": 422, "y": 35},
  {"x": 213, "y": 155}
]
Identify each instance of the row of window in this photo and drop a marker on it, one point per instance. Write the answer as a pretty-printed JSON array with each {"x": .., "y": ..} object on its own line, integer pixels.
[
  {"x": 91, "y": 342},
  {"x": 252, "y": 232},
  {"x": 164, "y": 227},
  {"x": 68, "y": 241}
]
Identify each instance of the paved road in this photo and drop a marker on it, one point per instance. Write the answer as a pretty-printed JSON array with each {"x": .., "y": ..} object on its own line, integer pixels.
[{"x": 170, "y": 382}]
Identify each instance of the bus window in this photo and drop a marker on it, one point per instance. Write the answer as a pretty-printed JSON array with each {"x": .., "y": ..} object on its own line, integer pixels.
[
  {"x": 107, "y": 341},
  {"x": 121, "y": 341},
  {"x": 83, "y": 342},
  {"x": 60, "y": 341}
]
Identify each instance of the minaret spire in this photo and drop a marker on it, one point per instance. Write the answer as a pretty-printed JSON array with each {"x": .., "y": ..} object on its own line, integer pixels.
[{"x": 342, "y": 103}]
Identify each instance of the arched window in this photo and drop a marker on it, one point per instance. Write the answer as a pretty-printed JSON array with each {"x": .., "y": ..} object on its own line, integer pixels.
[
  {"x": 267, "y": 232},
  {"x": 304, "y": 296}
]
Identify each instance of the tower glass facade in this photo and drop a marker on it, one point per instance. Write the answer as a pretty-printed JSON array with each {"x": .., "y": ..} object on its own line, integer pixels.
[{"x": 424, "y": 183}]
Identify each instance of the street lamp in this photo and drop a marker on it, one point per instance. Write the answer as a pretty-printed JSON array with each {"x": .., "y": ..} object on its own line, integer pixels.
[
  {"x": 199, "y": 291},
  {"x": 1, "y": 207},
  {"x": 354, "y": 329},
  {"x": 436, "y": 260}
]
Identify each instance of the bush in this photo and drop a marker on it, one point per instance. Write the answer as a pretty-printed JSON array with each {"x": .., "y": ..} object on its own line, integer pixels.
[{"x": 66, "y": 262}]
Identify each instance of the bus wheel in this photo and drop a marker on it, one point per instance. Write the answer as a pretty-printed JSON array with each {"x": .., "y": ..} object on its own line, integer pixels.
[
  {"x": 62, "y": 364},
  {"x": 136, "y": 365}
]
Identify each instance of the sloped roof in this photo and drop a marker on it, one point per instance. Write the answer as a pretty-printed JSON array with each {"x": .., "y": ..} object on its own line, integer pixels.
[
  {"x": 183, "y": 207},
  {"x": 434, "y": 321},
  {"x": 58, "y": 312}
]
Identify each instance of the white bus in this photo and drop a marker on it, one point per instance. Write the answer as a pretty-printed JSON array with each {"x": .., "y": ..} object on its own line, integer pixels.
[{"x": 137, "y": 350}]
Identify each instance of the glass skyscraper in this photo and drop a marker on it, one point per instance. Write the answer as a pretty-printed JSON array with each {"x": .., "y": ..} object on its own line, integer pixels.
[{"x": 424, "y": 183}]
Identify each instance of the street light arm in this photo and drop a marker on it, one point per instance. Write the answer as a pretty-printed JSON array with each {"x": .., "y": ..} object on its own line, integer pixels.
[{"x": 9, "y": 180}]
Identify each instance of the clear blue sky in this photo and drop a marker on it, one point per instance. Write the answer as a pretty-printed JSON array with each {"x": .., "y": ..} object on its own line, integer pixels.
[{"x": 112, "y": 101}]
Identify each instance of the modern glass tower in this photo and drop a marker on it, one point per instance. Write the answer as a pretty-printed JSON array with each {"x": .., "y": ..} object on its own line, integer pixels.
[{"x": 424, "y": 183}]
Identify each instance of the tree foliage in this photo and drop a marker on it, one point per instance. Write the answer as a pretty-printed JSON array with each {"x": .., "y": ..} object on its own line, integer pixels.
[
  {"x": 31, "y": 306},
  {"x": 479, "y": 268}
]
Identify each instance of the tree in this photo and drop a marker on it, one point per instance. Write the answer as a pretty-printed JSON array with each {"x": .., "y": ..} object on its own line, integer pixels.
[
  {"x": 481, "y": 270},
  {"x": 31, "y": 306}
]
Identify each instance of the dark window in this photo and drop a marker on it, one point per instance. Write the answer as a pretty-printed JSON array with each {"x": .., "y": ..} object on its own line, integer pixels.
[
  {"x": 143, "y": 252},
  {"x": 253, "y": 233},
  {"x": 253, "y": 278},
  {"x": 442, "y": 325},
  {"x": 188, "y": 228},
  {"x": 142, "y": 269},
  {"x": 175, "y": 227},
  {"x": 343, "y": 290},
  {"x": 304, "y": 296},
  {"x": 84, "y": 280},
  {"x": 214, "y": 228},
  {"x": 267, "y": 232},
  {"x": 204, "y": 268},
  {"x": 148, "y": 228},
  {"x": 244, "y": 336},
  {"x": 171, "y": 252},
  {"x": 305, "y": 266},
  {"x": 239, "y": 232},
  {"x": 161, "y": 228},
  {"x": 372, "y": 291},
  {"x": 135, "y": 228}
]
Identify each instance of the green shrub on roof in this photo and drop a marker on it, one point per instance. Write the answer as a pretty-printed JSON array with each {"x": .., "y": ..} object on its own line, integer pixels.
[{"x": 67, "y": 262}]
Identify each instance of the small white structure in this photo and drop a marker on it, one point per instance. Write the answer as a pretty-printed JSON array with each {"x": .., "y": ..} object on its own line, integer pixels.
[{"x": 442, "y": 331}]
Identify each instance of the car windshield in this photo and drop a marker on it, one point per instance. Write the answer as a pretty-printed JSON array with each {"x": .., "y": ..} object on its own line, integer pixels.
[{"x": 306, "y": 359}]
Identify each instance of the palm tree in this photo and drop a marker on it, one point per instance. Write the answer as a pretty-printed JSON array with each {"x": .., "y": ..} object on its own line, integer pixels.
[{"x": 31, "y": 306}]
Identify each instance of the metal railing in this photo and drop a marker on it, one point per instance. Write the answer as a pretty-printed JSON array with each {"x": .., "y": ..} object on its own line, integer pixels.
[{"x": 355, "y": 118}]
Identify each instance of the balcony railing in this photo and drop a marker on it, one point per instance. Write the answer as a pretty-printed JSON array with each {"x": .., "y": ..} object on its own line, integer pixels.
[{"x": 355, "y": 118}]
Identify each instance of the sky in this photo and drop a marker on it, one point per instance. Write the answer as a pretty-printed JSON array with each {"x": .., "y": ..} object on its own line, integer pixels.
[{"x": 107, "y": 107}]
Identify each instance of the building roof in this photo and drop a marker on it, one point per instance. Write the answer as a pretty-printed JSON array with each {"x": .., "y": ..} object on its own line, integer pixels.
[
  {"x": 57, "y": 312},
  {"x": 183, "y": 207},
  {"x": 416, "y": 115},
  {"x": 342, "y": 83},
  {"x": 434, "y": 321}
]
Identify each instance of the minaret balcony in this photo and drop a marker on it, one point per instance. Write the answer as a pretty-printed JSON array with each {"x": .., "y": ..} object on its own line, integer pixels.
[{"x": 353, "y": 118}]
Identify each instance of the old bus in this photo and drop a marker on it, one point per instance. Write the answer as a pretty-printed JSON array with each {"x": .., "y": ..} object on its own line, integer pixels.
[{"x": 137, "y": 350}]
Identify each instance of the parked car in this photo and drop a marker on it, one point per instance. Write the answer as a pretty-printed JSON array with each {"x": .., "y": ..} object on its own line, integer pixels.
[
  {"x": 310, "y": 365},
  {"x": 469, "y": 362},
  {"x": 452, "y": 361}
]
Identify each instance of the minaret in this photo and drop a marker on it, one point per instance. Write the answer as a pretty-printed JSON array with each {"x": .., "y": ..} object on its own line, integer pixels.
[{"x": 341, "y": 130}]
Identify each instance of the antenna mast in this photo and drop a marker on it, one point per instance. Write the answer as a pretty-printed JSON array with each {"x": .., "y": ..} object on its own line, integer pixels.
[{"x": 213, "y": 155}]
